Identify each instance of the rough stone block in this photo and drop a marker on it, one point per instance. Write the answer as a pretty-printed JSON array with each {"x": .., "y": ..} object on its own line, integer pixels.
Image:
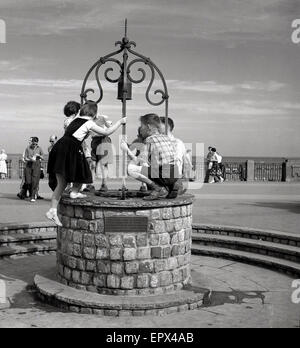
[
  {"x": 116, "y": 254},
  {"x": 129, "y": 241},
  {"x": 146, "y": 267},
  {"x": 86, "y": 311},
  {"x": 76, "y": 276},
  {"x": 154, "y": 281},
  {"x": 177, "y": 212},
  {"x": 101, "y": 241},
  {"x": 154, "y": 239},
  {"x": 89, "y": 253},
  {"x": 167, "y": 252},
  {"x": 131, "y": 267},
  {"x": 144, "y": 253},
  {"x": 89, "y": 214},
  {"x": 77, "y": 237},
  {"x": 66, "y": 222},
  {"x": 160, "y": 265},
  {"x": 155, "y": 214},
  {"x": 142, "y": 240},
  {"x": 175, "y": 250},
  {"x": 138, "y": 313},
  {"x": 181, "y": 260},
  {"x": 174, "y": 238},
  {"x": 80, "y": 265},
  {"x": 91, "y": 266},
  {"x": 157, "y": 253},
  {"x": 102, "y": 254},
  {"x": 93, "y": 227},
  {"x": 172, "y": 263},
  {"x": 103, "y": 267},
  {"x": 71, "y": 262},
  {"x": 100, "y": 280},
  {"x": 177, "y": 276},
  {"x": 83, "y": 224},
  {"x": 181, "y": 236},
  {"x": 167, "y": 213},
  {"x": 88, "y": 240},
  {"x": 143, "y": 281},
  {"x": 130, "y": 254},
  {"x": 183, "y": 211},
  {"x": 164, "y": 239},
  {"x": 113, "y": 281},
  {"x": 115, "y": 240},
  {"x": 170, "y": 227},
  {"x": 182, "y": 249},
  {"x": 77, "y": 250},
  {"x": 67, "y": 273},
  {"x": 159, "y": 227},
  {"x": 74, "y": 223},
  {"x": 117, "y": 268},
  {"x": 127, "y": 283},
  {"x": 165, "y": 278},
  {"x": 85, "y": 278},
  {"x": 69, "y": 211},
  {"x": 79, "y": 212},
  {"x": 178, "y": 224}
]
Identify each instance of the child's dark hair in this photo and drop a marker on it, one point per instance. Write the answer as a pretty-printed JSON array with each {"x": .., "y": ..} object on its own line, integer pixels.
[
  {"x": 151, "y": 120},
  {"x": 72, "y": 108}
]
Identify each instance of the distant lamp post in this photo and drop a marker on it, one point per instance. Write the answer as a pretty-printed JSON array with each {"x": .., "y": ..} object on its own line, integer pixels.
[{"x": 125, "y": 81}]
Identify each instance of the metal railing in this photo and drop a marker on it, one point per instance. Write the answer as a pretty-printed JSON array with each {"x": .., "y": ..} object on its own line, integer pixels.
[
  {"x": 268, "y": 172},
  {"x": 9, "y": 168},
  {"x": 235, "y": 171}
]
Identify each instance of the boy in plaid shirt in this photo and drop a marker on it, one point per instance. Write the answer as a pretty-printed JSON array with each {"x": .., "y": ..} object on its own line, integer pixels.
[{"x": 156, "y": 164}]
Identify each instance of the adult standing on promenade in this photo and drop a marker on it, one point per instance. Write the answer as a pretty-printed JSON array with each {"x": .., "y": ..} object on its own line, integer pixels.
[
  {"x": 67, "y": 160},
  {"x": 33, "y": 156},
  {"x": 52, "y": 178},
  {"x": 3, "y": 165}
]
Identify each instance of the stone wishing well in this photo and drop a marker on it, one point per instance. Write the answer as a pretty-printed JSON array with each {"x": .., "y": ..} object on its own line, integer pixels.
[{"x": 123, "y": 257}]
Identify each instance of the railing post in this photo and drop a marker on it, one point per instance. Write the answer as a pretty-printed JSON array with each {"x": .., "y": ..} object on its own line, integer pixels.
[
  {"x": 250, "y": 170},
  {"x": 15, "y": 167}
]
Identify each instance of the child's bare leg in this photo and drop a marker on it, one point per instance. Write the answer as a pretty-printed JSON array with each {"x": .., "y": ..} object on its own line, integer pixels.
[{"x": 61, "y": 185}]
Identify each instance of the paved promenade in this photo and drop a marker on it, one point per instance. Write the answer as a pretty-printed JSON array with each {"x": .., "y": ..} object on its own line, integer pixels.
[
  {"x": 242, "y": 296},
  {"x": 273, "y": 206}
]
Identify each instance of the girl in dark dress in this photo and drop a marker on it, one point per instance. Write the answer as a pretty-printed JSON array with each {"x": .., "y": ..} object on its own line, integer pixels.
[{"x": 67, "y": 160}]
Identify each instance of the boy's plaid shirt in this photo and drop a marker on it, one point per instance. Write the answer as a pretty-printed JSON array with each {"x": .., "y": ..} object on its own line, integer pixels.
[{"x": 160, "y": 150}]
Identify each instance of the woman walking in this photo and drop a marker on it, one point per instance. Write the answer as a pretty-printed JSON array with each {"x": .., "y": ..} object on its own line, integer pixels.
[
  {"x": 3, "y": 165},
  {"x": 67, "y": 160}
]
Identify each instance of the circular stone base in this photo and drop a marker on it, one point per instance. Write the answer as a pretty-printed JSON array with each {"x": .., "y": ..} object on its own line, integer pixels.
[{"x": 67, "y": 298}]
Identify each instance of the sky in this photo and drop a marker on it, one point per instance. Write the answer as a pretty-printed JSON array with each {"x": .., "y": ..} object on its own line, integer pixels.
[{"x": 231, "y": 68}]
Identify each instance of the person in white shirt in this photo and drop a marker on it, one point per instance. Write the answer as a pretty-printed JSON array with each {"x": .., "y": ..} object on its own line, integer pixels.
[
  {"x": 181, "y": 155},
  {"x": 3, "y": 165},
  {"x": 67, "y": 160},
  {"x": 216, "y": 171}
]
